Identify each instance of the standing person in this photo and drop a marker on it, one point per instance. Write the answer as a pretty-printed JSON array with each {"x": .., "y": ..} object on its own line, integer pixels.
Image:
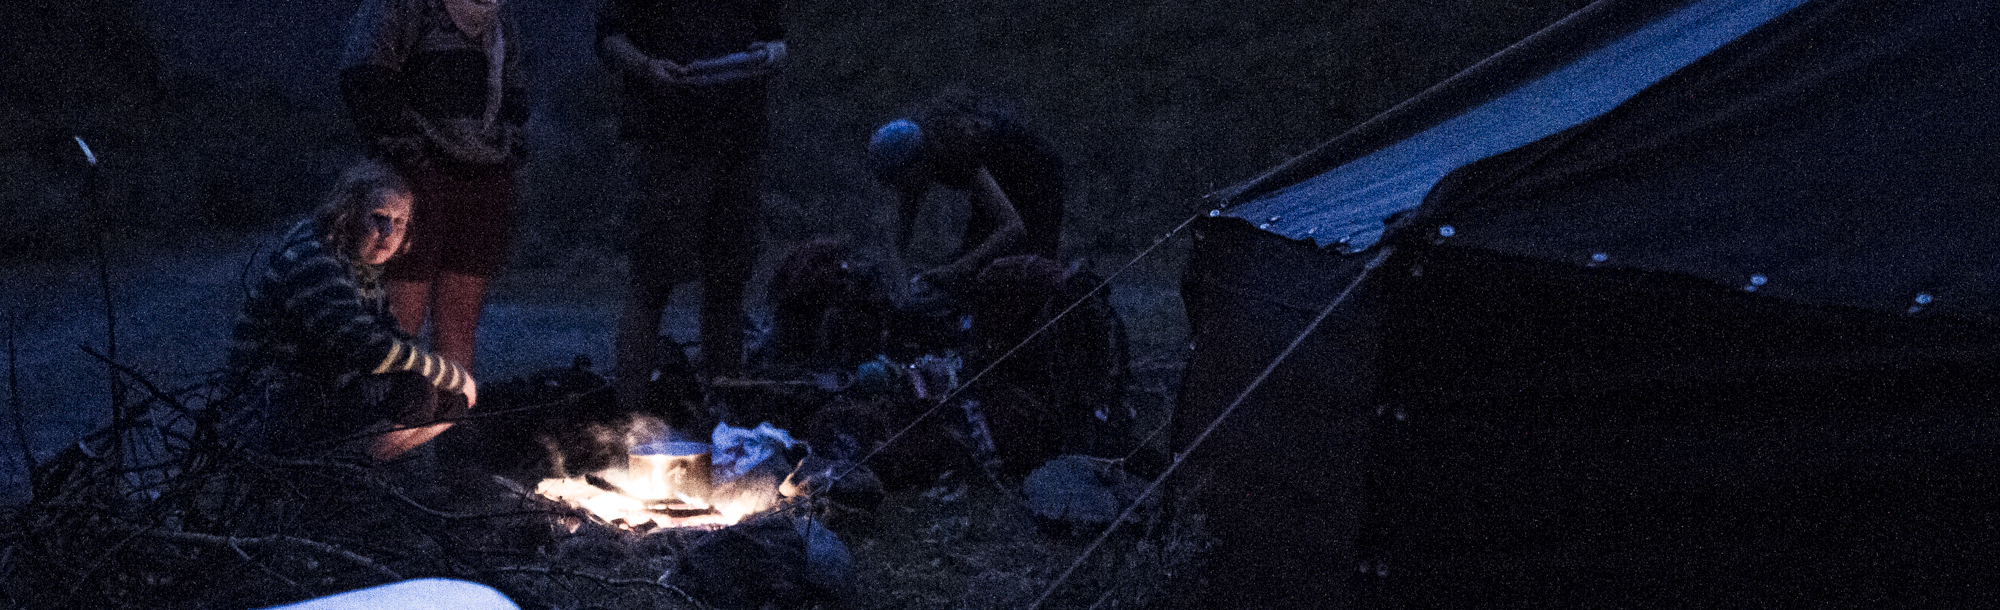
[
  {"x": 696, "y": 115},
  {"x": 316, "y": 333},
  {"x": 437, "y": 89},
  {"x": 1012, "y": 179}
]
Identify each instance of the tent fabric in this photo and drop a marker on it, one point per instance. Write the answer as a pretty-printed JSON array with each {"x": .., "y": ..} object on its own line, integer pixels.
[
  {"x": 1521, "y": 334},
  {"x": 1842, "y": 153},
  {"x": 1284, "y": 515},
  {"x": 1571, "y": 325},
  {"x": 1346, "y": 207},
  {"x": 1591, "y": 27},
  {"x": 1845, "y": 155}
]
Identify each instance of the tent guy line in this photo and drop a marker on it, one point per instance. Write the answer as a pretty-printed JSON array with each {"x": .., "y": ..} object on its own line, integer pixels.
[
  {"x": 946, "y": 399},
  {"x": 1182, "y": 455}
]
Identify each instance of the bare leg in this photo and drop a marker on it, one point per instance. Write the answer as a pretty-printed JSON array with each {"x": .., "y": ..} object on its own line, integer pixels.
[
  {"x": 455, "y": 328},
  {"x": 410, "y": 301},
  {"x": 416, "y": 402},
  {"x": 395, "y": 443}
]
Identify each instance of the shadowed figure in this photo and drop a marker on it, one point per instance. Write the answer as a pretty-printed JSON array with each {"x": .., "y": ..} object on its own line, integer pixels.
[
  {"x": 1061, "y": 390},
  {"x": 828, "y": 311}
]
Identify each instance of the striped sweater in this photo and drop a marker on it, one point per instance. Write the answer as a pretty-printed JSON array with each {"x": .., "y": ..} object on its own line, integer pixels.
[{"x": 315, "y": 319}]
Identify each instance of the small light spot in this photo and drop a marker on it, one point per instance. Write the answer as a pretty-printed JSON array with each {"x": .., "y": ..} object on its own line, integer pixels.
[
  {"x": 1272, "y": 219},
  {"x": 1446, "y": 231},
  {"x": 1215, "y": 212},
  {"x": 1264, "y": 226},
  {"x": 1923, "y": 298},
  {"x": 87, "y": 155},
  {"x": 1758, "y": 280},
  {"x": 1599, "y": 257}
]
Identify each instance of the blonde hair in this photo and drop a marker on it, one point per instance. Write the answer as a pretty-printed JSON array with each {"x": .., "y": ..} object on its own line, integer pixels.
[{"x": 343, "y": 216}]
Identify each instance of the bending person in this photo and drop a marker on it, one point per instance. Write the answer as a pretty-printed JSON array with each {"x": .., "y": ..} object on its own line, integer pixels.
[
  {"x": 436, "y": 87},
  {"x": 1005, "y": 275},
  {"x": 1012, "y": 179},
  {"x": 316, "y": 335}
]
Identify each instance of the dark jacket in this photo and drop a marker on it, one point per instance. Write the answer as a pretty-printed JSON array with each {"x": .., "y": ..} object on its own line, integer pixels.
[{"x": 421, "y": 90}]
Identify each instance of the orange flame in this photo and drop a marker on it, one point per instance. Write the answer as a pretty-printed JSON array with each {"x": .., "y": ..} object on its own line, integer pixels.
[{"x": 656, "y": 490}]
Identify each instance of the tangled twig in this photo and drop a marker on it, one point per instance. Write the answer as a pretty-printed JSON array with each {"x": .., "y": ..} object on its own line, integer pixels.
[
  {"x": 236, "y": 543},
  {"x": 603, "y": 580}
]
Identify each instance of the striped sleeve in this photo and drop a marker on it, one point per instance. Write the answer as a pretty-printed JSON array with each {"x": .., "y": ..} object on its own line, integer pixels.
[
  {"x": 405, "y": 356},
  {"x": 323, "y": 295}
]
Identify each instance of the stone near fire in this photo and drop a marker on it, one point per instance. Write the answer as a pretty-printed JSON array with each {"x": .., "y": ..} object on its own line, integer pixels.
[
  {"x": 829, "y": 566},
  {"x": 844, "y": 482},
  {"x": 1080, "y": 491},
  {"x": 746, "y": 566}
]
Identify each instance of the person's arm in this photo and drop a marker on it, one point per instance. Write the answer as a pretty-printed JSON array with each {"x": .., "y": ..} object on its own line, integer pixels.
[
  {"x": 442, "y": 373},
  {"x": 774, "y": 53},
  {"x": 909, "y": 201},
  {"x": 618, "y": 52},
  {"x": 614, "y": 45},
  {"x": 615, "y": 48},
  {"x": 761, "y": 61},
  {"x": 986, "y": 197},
  {"x": 323, "y": 295}
]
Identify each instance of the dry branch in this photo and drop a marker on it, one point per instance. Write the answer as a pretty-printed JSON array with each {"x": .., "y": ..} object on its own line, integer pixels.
[
  {"x": 603, "y": 580},
  {"x": 136, "y": 377},
  {"x": 14, "y": 395},
  {"x": 235, "y": 543}
]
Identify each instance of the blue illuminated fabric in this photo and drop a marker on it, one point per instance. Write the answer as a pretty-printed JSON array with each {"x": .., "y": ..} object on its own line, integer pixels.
[{"x": 1346, "y": 207}]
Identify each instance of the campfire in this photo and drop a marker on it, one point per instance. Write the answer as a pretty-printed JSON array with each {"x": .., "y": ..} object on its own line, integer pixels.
[{"x": 666, "y": 483}]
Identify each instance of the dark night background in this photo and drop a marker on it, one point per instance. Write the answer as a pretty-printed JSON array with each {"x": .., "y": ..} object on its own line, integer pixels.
[{"x": 217, "y": 122}]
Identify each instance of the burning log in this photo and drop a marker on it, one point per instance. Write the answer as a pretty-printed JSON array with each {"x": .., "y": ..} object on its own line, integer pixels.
[{"x": 674, "y": 484}]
